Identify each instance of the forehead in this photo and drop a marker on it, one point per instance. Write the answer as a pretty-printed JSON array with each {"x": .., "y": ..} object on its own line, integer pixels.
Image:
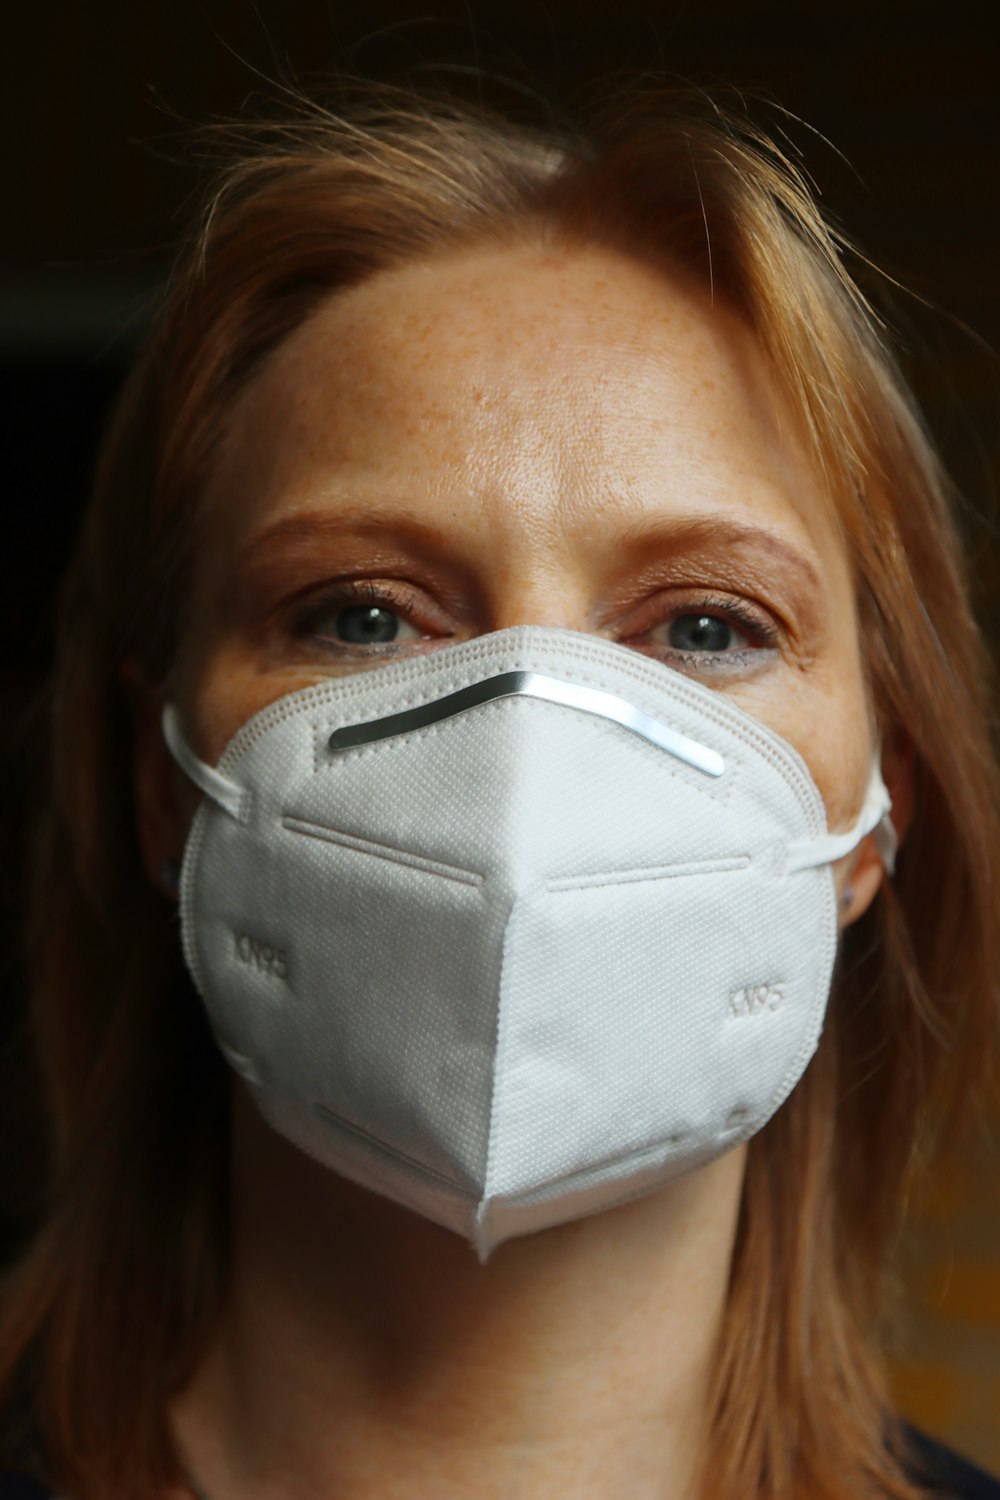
[{"x": 504, "y": 370}]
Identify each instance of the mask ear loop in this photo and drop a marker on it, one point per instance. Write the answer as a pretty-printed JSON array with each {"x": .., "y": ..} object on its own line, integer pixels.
[
  {"x": 807, "y": 854},
  {"x": 231, "y": 798}
]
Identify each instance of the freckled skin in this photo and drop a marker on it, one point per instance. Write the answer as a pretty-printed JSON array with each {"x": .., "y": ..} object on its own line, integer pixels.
[
  {"x": 551, "y": 418},
  {"x": 534, "y": 407}
]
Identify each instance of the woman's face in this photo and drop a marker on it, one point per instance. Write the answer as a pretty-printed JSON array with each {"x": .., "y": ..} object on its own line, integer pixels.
[{"x": 507, "y": 436}]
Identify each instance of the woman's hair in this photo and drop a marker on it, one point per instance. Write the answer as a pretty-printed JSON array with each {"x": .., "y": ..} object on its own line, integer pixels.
[{"x": 105, "y": 1313}]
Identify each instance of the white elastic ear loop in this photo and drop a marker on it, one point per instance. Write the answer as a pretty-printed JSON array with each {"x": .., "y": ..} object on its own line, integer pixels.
[
  {"x": 806, "y": 854},
  {"x": 229, "y": 796}
]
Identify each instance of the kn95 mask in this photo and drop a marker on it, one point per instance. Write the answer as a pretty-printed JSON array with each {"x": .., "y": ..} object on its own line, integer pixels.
[{"x": 514, "y": 930}]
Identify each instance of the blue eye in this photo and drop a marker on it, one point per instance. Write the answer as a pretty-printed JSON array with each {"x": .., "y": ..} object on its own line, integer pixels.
[
  {"x": 343, "y": 623},
  {"x": 366, "y": 625},
  {"x": 701, "y": 633}
]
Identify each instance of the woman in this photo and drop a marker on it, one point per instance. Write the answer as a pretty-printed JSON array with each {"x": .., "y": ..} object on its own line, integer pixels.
[{"x": 518, "y": 580}]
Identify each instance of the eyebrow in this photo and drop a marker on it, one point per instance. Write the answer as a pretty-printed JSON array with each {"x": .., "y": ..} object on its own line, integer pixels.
[
  {"x": 676, "y": 533},
  {"x": 305, "y": 528},
  {"x": 645, "y": 541},
  {"x": 682, "y": 536}
]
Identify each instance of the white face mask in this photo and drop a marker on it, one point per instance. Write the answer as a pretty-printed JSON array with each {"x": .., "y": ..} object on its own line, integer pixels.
[{"x": 514, "y": 930}]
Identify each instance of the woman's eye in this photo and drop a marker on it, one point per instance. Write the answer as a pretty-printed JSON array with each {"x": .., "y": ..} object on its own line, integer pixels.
[
  {"x": 698, "y": 632},
  {"x": 371, "y": 625},
  {"x": 341, "y": 625},
  {"x": 727, "y": 634}
]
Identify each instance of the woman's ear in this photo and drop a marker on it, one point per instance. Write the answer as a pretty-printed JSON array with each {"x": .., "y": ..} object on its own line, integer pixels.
[
  {"x": 164, "y": 800},
  {"x": 866, "y": 870}
]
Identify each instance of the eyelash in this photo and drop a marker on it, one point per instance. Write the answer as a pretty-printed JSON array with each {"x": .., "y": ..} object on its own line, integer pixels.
[
  {"x": 345, "y": 595},
  {"x": 761, "y": 629},
  {"x": 757, "y": 625}
]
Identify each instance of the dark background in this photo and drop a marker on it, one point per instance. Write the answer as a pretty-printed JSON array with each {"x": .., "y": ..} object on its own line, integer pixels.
[{"x": 99, "y": 102}]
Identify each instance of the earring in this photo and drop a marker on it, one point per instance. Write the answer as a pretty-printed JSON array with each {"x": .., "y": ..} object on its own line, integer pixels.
[
  {"x": 170, "y": 875},
  {"x": 846, "y": 899}
]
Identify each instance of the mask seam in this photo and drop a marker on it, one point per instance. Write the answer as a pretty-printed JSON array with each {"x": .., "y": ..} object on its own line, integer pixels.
[
  {"x": 635, "y": 1193},
  {"x": 484, "y": 1210},
  {"x": 409, "y": 859},
  {"x": 579, "y": 1179},
  {"x": 393, "y": 1153},
  {"x": 820, "y": 1000},
  {"x": 613, "y": 878}
]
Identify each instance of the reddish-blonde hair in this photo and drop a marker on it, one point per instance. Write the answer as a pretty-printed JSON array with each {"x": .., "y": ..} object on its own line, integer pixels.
[{"x": 106, "y": 1311}]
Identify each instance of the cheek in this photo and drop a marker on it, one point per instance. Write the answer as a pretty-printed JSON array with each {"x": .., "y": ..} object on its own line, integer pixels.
[
  {"x": 839, "y": 756},
  {"x": 824, "y": 715},
  {"x": 228, "y": 690},
  {"x": 219, "y": 681},
  {"x": 221, "y": 676},
  {"x": 838, "y": 740}
]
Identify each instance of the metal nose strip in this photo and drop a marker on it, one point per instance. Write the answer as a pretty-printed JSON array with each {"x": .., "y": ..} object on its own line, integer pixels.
[{"x": 534, "y": 685}]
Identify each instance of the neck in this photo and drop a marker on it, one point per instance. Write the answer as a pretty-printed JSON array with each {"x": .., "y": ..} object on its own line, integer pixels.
[{"x": 365, "y": 1353}]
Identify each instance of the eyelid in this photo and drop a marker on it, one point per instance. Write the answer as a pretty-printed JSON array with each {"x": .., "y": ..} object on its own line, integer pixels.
[
  {"x": 350, "y": 593},
  {"x": 665, "y": 608},
  {"x": 347, "y": 593}
]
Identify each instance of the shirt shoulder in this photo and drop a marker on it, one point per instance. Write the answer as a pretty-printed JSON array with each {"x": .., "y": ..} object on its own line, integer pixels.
[{"x": 940, "y": 1470}]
